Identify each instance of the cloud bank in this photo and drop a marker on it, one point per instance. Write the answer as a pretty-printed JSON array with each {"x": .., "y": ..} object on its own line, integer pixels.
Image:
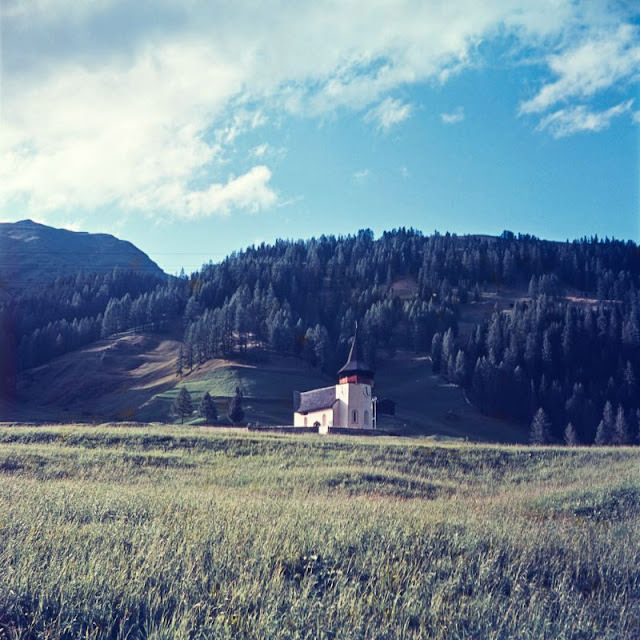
[{"x": 137, "y": 105}]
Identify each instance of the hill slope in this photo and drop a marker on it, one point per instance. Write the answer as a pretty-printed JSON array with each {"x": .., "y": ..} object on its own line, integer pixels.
[
  {"x": 109, "y": 379},
  {"x": 132, "y": 377},
  {"x": 33, "y": 253}
]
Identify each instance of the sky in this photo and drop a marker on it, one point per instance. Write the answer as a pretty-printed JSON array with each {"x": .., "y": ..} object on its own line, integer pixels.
[{"x": 196, "y": 128}]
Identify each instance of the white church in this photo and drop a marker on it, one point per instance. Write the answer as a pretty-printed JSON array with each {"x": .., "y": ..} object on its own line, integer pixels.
[{"x": 348, "y": 404}]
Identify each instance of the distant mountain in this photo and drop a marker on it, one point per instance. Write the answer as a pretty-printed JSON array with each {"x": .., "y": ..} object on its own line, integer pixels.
[{"x": 32, "y": 253}]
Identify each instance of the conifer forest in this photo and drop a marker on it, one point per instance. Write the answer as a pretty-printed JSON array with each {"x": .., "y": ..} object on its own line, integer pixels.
[{"x": 563, "y": 358}]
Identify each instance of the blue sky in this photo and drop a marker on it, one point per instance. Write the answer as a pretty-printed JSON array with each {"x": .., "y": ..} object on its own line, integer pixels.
[{"x": 194, "y": 129}]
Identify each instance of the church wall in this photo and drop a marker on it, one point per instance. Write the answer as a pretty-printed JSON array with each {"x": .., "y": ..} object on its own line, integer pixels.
[
  {"x": 355, "y": 407},
  {"x": 324, "y": 417}
]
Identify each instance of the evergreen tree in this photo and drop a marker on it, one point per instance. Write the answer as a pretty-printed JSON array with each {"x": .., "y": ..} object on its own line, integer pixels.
[
  {"x": 570, "y": 435},
  {"x": 460, "y": 368},
  {"x": 208, "y": 409},
  {"x": 436, "y": 352},
  {"x": 183, "y": 406},
  {"x": 235, "y": 410},
  {"x": 188, "y": 356},
  {"x": 621, "y": 434},
  {"x": 180, "y": 361},
  {"x": 604, "y": 432},
  {"x": 540, "y": 430},
  {"x": 602, "y": 435}
]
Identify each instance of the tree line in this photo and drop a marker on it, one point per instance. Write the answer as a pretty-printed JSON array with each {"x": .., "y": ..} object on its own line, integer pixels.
[{"x": 576, "y": 359}]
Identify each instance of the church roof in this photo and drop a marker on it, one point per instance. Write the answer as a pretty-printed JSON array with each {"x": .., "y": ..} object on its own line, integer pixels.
[
  {"x": 314, "y": 400},
  {"x": 355, "y": 362}
]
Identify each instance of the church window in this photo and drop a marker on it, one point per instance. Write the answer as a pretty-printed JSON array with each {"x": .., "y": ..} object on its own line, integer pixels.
[{"x": 354, "y": 416}]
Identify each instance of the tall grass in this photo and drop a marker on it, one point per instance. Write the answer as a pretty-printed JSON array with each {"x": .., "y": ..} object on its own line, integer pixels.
[{"x": 183, "y": 533}]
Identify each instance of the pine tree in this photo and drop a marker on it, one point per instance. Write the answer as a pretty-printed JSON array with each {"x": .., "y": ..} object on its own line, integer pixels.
[
  {"x": 436, "y": 352},
  {"x": 188, "y": 356},
  {"x": 621, "y": 429},
  {"x": 235, "y": 411},
  {"x": 180, "y": 361},
  {"x": 570, "y": 435},
  {"x": 208, "y": 409},
  {"x": 604, "y": 432},
  {"x": 540, "y": 430},
  {"x": 183, "y": 406},
  {"x": 602, "y": 436},
  {"x": 460, "y": 368}
]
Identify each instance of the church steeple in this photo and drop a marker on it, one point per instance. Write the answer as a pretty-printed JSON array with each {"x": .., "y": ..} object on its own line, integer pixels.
[{"x": 355, "y": 369}]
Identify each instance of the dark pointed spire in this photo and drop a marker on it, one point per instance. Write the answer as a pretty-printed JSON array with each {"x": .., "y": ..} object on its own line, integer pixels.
[{"x": 355, "y": 366}]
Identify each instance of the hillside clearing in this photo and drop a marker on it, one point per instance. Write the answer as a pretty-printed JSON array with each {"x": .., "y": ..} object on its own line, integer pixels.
[{"x": 132, "y": 377}]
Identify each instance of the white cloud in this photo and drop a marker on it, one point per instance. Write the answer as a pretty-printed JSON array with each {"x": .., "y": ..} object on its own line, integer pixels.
[
  {"x": 260, "y": 150},
  {"x": 108, "y": 103},
  {"x": 565, "y": 122},
  {"x": 249, "y": 191},
  {"x": 455, "y": 116},
  {"x": 635, "y": 116},
  {"x": 388, "y": 113},
  {"x": 362, "y": 175},
  {"x": 603, "y": 59},
  {"x": 85, "y": 138}
]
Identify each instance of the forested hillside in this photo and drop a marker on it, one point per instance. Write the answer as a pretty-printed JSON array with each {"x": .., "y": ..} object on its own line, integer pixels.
[{"x": 567, "y": 353}]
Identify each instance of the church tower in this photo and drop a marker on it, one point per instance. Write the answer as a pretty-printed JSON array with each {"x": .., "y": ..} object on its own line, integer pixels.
[{"x": 355, "y": 382}]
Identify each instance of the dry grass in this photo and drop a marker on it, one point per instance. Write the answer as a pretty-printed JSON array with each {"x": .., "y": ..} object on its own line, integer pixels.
[{"x": 185, "y": 533}]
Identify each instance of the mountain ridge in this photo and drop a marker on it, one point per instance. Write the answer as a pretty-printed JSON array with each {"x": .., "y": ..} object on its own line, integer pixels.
[{"x": 34, "y": 253}]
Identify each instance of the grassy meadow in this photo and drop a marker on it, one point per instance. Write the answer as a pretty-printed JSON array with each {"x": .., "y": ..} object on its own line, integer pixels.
[
  {"x": 426, "y": 404},
  {"x": 165, "y": 532}
]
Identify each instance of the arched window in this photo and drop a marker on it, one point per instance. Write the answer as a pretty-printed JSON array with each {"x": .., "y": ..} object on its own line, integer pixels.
[
  {"x": 354, "y": 416},
  {"x": 305, "y": 421}
]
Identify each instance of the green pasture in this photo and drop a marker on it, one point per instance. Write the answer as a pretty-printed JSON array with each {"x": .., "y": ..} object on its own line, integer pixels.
[
  {"x": 267, "y": 392},
  {"x": 169, "y": 532},
  {"x": 425, "y": 403}
]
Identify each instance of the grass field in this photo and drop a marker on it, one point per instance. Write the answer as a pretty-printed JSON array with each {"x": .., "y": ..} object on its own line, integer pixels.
[
  {"x": 167, "y": 532},
  {"x": 267, "y": 389}
]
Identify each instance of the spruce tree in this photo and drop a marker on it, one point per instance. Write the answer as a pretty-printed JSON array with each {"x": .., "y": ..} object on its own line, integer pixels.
[
  {"x": 604, "y": 432},
  {"x": 208, "y": 409},
  {"x": 570, "y": 435},
  {"x": 183, "y": 405},
  {"x": 236, "y": 412},
  {"x": 621, "y": 429},
  {"x": 436, "y": 352},
  {"x": 602, "y": 435},
  {"x": 460, "y": 368},
  {"x": 540, "y": 430},
  {"x": 180, "y": 361}
]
